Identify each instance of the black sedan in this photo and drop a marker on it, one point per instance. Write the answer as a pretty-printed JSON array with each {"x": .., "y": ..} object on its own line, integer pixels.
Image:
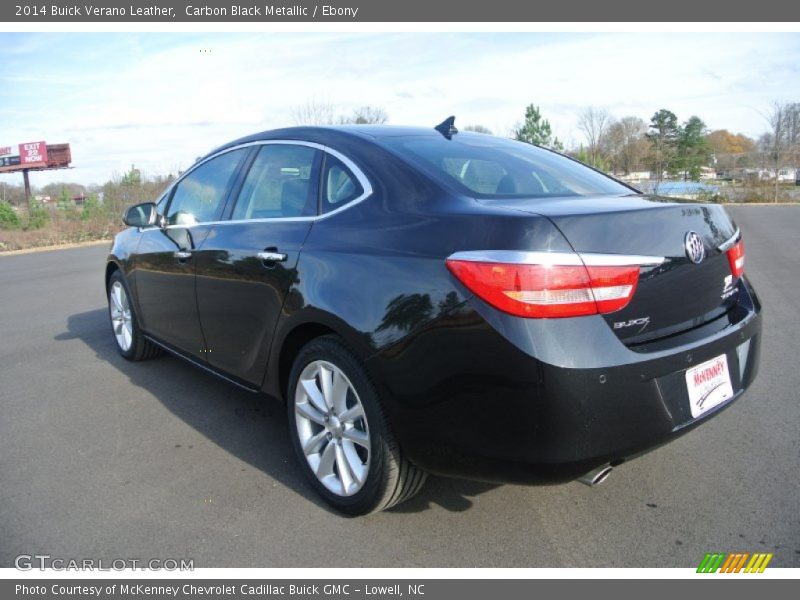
[{"x": 429, "y": 301}]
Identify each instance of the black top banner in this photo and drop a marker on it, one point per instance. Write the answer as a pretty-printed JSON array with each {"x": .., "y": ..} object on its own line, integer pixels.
[{"x": 465, "y": 11}]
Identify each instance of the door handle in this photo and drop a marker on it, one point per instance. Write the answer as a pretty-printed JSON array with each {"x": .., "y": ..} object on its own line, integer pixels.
[
  {"x": 271, "y": 256},
  {"x": 183, "y": 255}
]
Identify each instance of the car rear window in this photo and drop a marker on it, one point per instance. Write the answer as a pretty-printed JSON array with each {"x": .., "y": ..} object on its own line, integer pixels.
[{"x": 490, "y": 167}]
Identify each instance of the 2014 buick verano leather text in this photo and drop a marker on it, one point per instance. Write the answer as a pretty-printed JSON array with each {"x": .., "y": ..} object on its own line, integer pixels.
[{"x": 428, "y": 301}]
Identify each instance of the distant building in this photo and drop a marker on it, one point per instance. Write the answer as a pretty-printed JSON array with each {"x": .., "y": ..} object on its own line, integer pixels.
[{"x": 708, "y": 173}]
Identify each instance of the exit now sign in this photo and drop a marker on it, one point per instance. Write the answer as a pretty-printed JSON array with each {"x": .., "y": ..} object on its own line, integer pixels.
[{"x": 32, "y": 153}]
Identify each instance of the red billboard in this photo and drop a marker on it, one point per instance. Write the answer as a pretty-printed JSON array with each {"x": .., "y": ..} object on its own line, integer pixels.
[
  {"x": 33, "y": 153},
  {"x": 5, "y": 150}
]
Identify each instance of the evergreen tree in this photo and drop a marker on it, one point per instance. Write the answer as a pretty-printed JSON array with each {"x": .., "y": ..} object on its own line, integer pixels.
[
  {"x": 536, "y": 130},
  {"x": 694, "y": 151},
  {"x": 663, "y": 135}
]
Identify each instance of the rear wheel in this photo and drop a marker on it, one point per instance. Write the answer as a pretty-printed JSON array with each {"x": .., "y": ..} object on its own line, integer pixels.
[
  {"x": 341, "y": 435},
  {"x": 131, "y": 343}
]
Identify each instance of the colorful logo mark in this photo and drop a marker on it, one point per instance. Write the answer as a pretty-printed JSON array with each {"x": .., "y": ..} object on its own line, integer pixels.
[{"x": 734, "y": 562}]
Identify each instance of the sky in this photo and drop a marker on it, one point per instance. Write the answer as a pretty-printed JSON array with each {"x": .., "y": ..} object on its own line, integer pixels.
[{"x": 159, "y": 100}]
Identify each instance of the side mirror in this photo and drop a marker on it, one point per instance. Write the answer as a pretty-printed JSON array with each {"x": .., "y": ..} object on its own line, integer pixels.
[{"x": 141, "y": 215}]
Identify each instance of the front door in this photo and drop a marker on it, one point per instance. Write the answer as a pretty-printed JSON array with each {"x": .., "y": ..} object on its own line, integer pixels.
[{"x": 164, "y": 270}]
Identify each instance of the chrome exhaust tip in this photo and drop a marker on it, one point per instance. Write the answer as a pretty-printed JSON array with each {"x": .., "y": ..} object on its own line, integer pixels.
[{"x": 597, "y": 476}]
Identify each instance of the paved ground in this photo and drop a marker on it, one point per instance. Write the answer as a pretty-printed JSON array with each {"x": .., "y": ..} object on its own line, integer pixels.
[{"x": 106, "y": 459}]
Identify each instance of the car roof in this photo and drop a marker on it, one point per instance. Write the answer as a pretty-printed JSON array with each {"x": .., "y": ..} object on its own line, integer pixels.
[
  {"x": 328, "y": 133},
  {"x": 379, "y": 131}
]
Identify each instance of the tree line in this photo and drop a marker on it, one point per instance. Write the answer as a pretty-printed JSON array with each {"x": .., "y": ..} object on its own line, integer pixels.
[{"x": 665, "y": 147}]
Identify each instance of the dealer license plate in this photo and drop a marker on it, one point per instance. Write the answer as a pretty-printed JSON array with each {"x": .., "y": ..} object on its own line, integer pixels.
[{"x": 709, "y": 385}]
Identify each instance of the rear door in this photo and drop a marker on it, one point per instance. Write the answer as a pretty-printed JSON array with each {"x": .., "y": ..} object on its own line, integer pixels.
[
  {"x": 247, "y": 263},
  {"x": 165, "y": 260}
]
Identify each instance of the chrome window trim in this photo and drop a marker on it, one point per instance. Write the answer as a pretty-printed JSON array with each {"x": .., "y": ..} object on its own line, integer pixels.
[
  {"x": 354, "y": 169},
  {"x": 568, "y": 259},
  {"x": 731, "y": 241}
]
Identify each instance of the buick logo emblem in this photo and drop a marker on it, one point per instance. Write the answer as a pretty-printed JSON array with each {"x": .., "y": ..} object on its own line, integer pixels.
[{"x": 695, "y": 249}]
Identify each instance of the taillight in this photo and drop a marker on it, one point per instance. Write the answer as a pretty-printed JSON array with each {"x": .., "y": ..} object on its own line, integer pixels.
[
  {"x": 546, "y": 289},
  {"x": 736, "y": 258}
]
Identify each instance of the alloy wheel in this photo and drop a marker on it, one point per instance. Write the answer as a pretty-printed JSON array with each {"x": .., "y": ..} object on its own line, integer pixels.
[
  {"x": 121, "y": 319},
  {"x": 332, "y": 428}
]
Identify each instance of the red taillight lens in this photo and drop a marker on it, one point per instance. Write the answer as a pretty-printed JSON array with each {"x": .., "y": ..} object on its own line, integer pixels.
[
  {"x": 548, "y": 291},
  {"x": 736, "y": 258}
]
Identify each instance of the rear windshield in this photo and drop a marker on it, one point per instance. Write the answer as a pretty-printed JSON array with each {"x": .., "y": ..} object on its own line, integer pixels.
[{"x": 490, "y": 167}]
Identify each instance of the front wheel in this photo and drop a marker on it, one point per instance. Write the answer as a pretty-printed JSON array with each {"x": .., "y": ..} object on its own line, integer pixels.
[
  {"x": 341, "y": 435},
  {"x": 131, "y": 343}
]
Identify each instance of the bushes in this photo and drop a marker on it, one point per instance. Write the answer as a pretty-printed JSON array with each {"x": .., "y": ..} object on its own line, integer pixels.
[
  {"x": 91, "y": 209},
  {"x": 8, "y": 217},
  {"x": 37, "y": 216},
  {"x": 63, "y": 221},
  {"x": 710, "y": 196}
]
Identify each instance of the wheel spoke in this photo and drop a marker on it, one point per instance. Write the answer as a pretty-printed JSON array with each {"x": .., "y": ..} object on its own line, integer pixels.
[
  {"x": 314, "y": 395},
  {"x": 310, "y": 412},
  {"x": 357, "y": 437},
  {"x": 325, "y": 467},
  {"x": 343, "y": 466},
  {"x": 118, "y": 327},
  {"x": 357, "y": 467},
  {"x": 315, "y": 443},
  {"x": 354, "y": 413},
  {"x": 326, "y": 384},
  {"x": 115, "y": 298},
  {"x": 121, "y": 297},
  {"x": 126, "y": 337},
  {"x": 339, "y": 392}
]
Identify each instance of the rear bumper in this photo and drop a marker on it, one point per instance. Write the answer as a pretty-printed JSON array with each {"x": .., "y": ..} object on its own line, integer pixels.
[{"x": 467, "y": 400}]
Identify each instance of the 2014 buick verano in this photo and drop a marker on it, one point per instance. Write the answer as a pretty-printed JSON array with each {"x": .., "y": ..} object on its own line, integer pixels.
[{"x": 429, "y": 301}]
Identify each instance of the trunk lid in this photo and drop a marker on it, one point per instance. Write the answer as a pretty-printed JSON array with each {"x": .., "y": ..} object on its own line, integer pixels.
[{"x": 675, "y": 296}]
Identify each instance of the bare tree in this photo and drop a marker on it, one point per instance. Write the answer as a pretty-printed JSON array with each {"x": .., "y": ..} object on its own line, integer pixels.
[
  {"x": 793, "y": 135},
  {"x": 626, "y": 144},
  {"x": 594, "y": 123},
  {"x": 313, "y": 112},
  {"x": 365, "y": 115},
  {"x": 775, "y": 142}
]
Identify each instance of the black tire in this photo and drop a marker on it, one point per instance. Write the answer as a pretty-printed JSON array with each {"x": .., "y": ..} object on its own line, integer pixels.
[
  {"x": 390, "y": 478},
  {"x": 140, "y": 347}
]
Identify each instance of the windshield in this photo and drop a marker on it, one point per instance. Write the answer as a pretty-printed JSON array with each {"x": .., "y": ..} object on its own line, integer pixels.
[{"x": 485, "y": 166}]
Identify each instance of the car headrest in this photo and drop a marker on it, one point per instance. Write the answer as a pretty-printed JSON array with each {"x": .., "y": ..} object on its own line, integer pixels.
[{"x": 294, "y": 197}]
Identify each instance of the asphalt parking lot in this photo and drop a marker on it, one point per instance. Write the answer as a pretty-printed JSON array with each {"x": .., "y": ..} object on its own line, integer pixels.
[{"x": 101, "y": 458}]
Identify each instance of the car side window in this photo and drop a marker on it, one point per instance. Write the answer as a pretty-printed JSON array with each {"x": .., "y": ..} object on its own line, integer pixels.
[
  {"x": 281, "y": 183},
  {"x": 340, "y": 186},
  {"x": 198, "y": 197}
]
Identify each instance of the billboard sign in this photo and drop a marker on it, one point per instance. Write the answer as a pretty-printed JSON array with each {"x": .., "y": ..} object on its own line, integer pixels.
[
  {"x": 33, "y": 153},
  {"x": 8, "y": 161},
  {"x": 34, "y": 156}
]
